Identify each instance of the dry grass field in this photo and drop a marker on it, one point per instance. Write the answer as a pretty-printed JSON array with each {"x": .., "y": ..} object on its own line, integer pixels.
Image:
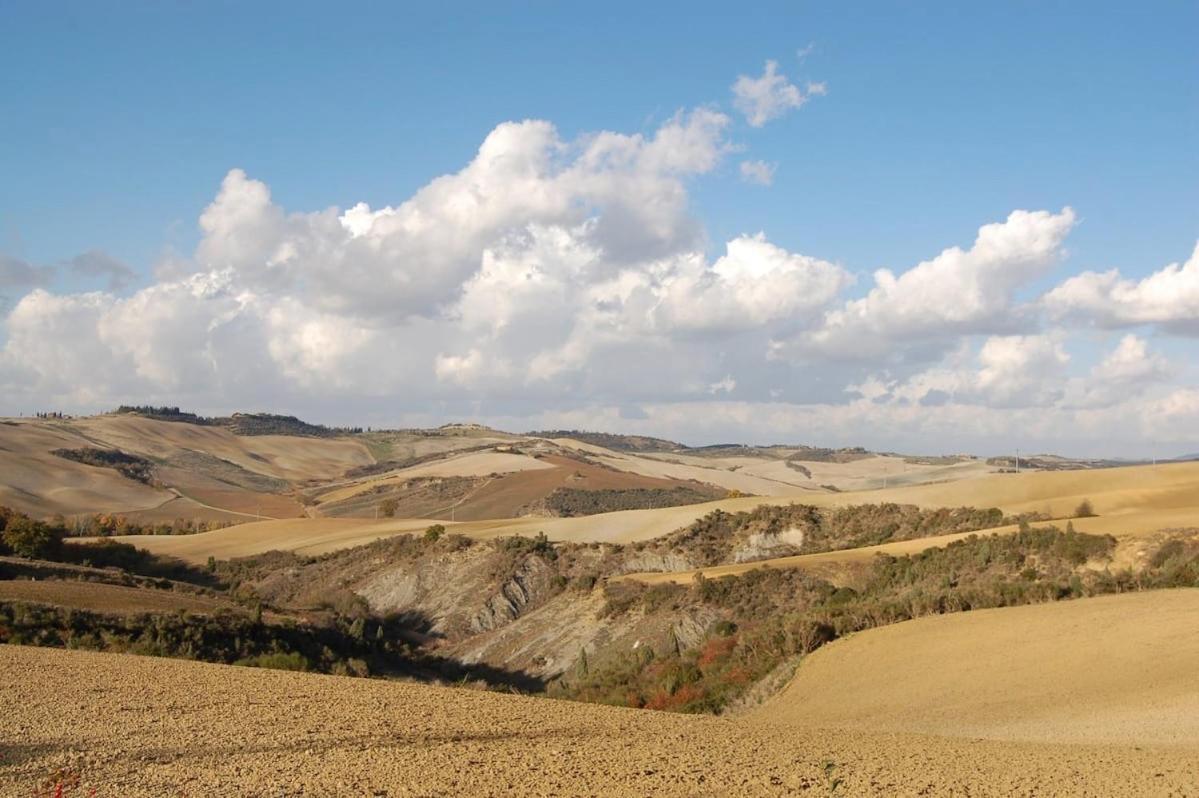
[
  {"x": 133, "y": 726},
  {"x": 1119, "y": 670}
]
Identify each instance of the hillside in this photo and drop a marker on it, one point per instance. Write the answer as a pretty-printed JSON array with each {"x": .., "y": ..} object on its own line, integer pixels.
[
  {"x": 620, "y": 443},
  {"x": 254, "y": 732},
  {"x": 1132, "y": 503},
  {"x": 1107, "y": 670},
  {"x": 1022, "y": 572}
]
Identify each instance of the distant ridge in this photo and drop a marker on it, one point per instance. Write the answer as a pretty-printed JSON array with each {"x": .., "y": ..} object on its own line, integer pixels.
[
  {"x": 240, "y": 423},
  {"x": 624, "y": 443}
]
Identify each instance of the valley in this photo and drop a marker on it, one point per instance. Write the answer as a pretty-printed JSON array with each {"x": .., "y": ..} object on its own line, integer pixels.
[{"x": 841, "y": 614}]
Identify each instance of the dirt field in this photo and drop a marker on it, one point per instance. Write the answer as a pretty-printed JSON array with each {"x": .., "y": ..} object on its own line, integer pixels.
[
  {"x": 99, "y": 597},
  {"x": 473, "y": 464},
  {"x": 868, "y": 473},
  {"x": 35, "y": 481},
  {"x": 133, "y": 726},
  {"x": 1113, "y": 670},
  {"x": 504, "y": 497}
]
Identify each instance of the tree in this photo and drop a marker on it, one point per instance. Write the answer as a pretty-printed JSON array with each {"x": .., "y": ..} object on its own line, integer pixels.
[
  {"x": 388, "y": 507},
  {"x": 581, "y": 668},
  {"x": 434, "y": 532},
  {"x": 31, "y": 539},
  {"x": 1084, "y": 509}
]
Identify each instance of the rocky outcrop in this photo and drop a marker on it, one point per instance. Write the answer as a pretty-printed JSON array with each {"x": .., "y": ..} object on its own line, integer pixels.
[
  {"x": 514, "y": 596},
  {"x": 765, "y": 545}
]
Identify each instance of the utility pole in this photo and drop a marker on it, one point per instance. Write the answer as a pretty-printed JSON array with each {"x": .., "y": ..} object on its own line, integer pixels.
[{"x": 1017, "y": 460}]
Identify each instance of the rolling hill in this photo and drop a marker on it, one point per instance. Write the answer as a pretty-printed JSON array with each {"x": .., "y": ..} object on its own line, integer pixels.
[{"x": 251, "y": 731}]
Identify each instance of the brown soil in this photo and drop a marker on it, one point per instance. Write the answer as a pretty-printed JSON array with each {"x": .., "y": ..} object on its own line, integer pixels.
[
  {"x": 511, "y": 494},
  {"x": 98, "y": 597},
  {"x": 133, "y": 726},
  {"x": 1114, "y": 669},
  {"x": 267, "y": 505}
]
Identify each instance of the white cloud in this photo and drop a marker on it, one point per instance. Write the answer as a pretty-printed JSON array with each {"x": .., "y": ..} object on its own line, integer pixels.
[
  {"x": 1169, "y": 297},
  {"x": 1007, "y": 371},
  {"x": 770, "y": 96},
  {"x": 754, "y": 284},
  {"x": 958, "y": 292},
  {"x": 1131, "y": 362},
  {"x": 758, "y": 172},
  {"x": 559, "y": 283},
  {"x": 411, "y": 259},
  {"x": 1021, "y": 370}
]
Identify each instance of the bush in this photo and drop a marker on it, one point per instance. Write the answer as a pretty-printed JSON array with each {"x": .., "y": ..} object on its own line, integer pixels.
[
  {"x": 32, "y": 539},
  {"x": 1084, "y": 509},
  {"x": 434, "y": 533},
  {"x": 130, "y": 466}
]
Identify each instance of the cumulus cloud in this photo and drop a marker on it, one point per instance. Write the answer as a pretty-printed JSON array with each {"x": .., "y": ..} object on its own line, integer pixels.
[
  {"x": 1006, "y": 371},
  {"x": 412, "y": 259},
  {"x": 769, "y": 96},
  {"x": 1131, "y": 362},
  {"x": 959, "y": 292},
  {"x": 550, "y": 263},
  {"x": 1169, "y": 297},
  {"x": 754, "y": 284},
  {"x": 557, "y": 282},
  {"x": 758, "y": 172}
]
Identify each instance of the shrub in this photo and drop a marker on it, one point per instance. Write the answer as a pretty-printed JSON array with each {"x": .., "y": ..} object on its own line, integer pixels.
[
  {"x": 32, "y": 539},
  {"x": 1084, "y": 509},
  {"x": 434, "y": 533}
]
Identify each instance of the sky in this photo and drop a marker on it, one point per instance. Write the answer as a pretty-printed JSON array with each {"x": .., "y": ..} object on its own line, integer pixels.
[{"x": 925, "y": 227}]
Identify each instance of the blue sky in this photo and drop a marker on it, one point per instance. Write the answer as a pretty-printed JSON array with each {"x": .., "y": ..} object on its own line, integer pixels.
[{"x": 124, "y": 118}]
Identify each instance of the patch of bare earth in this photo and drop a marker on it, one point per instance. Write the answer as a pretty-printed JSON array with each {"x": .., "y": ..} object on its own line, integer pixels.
[
  {"x": 99, "y": 597},
  {"x": 132, "y": 726}
]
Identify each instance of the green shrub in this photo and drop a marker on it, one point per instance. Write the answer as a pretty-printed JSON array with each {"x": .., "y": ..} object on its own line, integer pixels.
[{"x": 32, "y": 539}]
